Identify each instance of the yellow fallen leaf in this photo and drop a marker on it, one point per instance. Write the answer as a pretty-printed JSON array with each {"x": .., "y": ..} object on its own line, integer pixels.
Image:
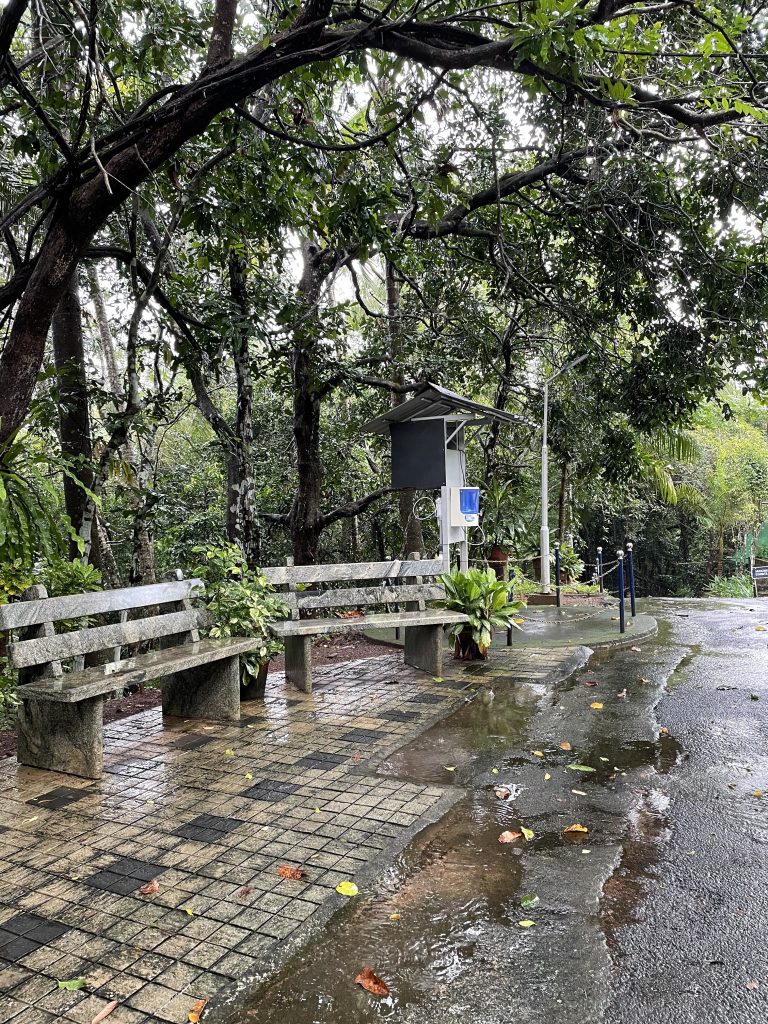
[
  {"x": 576, "y": 829},
  {"x": 547, "y": 776},
  {"x": 347, "y": 889},
  {"x": 526, "y": 924},
  {"x": 565, "y": 746},
  {"x": 33, "y": 818},
  {"x": 229, "y": 753},
  {"x": 760, "y": 629},
  {"x": 527, "y": 832},
  {"x": 494, "y": 771},
  {"x": 604, "y": 759},
  {"x": 317, "y": 810},
  {"x": 194, "y": 1014},
  {"x": 450, "y": 767},
  {"x": 538, "y": 753},
  {"x": 596, "y": 705},
  {"x": 758, "y": 793},
  {"x": 579, "y": 792},
  {"x": 187, "y": 910},
  {"x": 394, "y": 917},
  {"x": 664, "y": 730}
]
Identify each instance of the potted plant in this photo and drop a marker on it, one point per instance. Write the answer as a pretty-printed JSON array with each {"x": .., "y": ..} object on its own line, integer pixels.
[
  {"x": 503, "y": 529},
  {"x": 571, "y": 566},
  {"x": 486, "y": 601},
  {"x": 240, "y": 602}
]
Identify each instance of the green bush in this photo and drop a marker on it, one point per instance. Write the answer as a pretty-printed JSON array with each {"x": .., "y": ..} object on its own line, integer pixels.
[
  {"x": 478, "y": 594},
  {"x": 739, "y": 585},
  {"x": 240, "y": 602}
]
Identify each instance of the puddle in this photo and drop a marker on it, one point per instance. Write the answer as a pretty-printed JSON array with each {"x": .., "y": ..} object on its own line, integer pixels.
[
  {"x": 446, "y": 888},
  {"x": 624, "y": 891}
]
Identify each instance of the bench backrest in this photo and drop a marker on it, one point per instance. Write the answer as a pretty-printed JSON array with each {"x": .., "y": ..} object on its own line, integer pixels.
[
  {"x": 40, "y": 650},
  {"x": 410, "y": 581}
]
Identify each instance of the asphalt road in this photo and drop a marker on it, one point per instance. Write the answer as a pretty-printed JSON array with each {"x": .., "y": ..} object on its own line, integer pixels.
[{"x": 657, "y": 913}]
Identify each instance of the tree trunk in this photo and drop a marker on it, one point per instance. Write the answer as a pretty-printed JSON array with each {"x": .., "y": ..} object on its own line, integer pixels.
[
  {"x": 306, "y": 516},
  {"x": 413, "y": 537},
  {"x": 102, "y": 555},
  {"x": 561, "y": 501},
  {"x": 242, "y": 525},
  {"x": 74, "y": 420},
  {"x": 143, "y": 553}
]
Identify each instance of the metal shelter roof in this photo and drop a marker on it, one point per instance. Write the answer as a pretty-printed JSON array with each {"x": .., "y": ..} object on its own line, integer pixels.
[{"x": 430, "y": 401}]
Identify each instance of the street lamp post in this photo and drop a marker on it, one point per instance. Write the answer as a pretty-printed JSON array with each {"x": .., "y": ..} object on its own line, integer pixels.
[{"x": 544, "y": 535}]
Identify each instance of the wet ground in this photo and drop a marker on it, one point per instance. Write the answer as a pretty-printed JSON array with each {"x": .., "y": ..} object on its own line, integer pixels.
[{"x": 656, "y": 912}]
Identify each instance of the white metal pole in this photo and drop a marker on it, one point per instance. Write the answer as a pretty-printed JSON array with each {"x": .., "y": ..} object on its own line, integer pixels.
[
  {"x": 544, "y": 536},
  {"x": 445, "y": 546}
]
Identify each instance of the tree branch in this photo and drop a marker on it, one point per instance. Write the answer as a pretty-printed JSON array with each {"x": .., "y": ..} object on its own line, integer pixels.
[{"x": 354, "y": 508}]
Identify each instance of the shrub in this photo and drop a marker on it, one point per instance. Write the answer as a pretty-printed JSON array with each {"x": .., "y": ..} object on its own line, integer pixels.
[{"x": 739, "y": 585}]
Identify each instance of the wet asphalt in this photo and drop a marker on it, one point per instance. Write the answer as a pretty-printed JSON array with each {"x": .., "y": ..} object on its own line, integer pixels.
[{"x": 656, "y": 913}]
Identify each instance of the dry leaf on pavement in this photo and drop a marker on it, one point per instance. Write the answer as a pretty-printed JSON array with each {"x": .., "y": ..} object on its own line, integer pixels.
[
  {"x": 286, "y": 871},
  {"x": 565, "y": 746},
  {"x": 502, "y": 793},
  {"x": 579, "y": 829},
  {"x": 150, "y": 888},
  {"x": 368, "y": 980},
  {"x": 596, "y": 705},
  {"x": 194, "y": 1014},
  {"x": 103, "y": 1014}
]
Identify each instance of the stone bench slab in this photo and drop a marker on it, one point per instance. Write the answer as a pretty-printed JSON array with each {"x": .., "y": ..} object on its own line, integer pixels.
[{"x": 311, "y": 627}]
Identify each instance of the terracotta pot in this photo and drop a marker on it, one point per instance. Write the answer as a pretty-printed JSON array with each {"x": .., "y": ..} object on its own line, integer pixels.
[
  {"x": 465, "y": 648},
  {"x": 256, "y": 688},
  {"x": 498, "y": 562}
]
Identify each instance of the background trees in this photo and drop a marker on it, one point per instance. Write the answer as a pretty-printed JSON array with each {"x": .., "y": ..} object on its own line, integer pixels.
[{"x": 232, "y": 234}]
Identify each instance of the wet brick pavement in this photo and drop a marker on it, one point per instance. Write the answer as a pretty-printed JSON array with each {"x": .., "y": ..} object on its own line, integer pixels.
[{"x": 210, "y": 812}]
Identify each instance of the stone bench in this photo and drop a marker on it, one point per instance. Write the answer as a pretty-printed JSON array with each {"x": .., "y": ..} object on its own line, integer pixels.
[
  {"x": 60, "y": 716},
  {"x": 399, "y": 586}
]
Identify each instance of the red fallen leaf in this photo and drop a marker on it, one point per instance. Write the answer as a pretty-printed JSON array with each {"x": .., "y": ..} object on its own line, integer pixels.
[
  {"x": 753, "y": 985},
  {"x": 352, "y": 614},
  {"x": 368, "y": 980},
  {"x": 510, "y": 837},
  {"x": 565, "y": 746},
  {"x": 245, "y": 891},
  {"x": 286, "y": 871},
  {"x": 502, "y": 793},
  {"x": 591, "y": 682},
  {"x": 150, "y": 888}
]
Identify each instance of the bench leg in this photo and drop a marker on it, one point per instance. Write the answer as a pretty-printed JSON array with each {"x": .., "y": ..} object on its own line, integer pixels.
[
  {"x": 206, "y": 691},
  {"x": 424, "y": 648},
  {"x": 298, "y": 662},
  {"x": 62, "y": 737}
]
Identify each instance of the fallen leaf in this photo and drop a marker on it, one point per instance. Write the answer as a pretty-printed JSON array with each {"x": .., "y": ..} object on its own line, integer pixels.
[
  {"x": 591, "y": 682},
  {"x": 194, "y": 1014},
  {"x": 547, "y": 776},
  {"x": 759, "y": 629},
  {"x": 502, "y": 793},
  {"x": 758, "y": 793},
  {"x": 245, "y": 891},
  {"x": 579, "y": 792},
  {"x": 636, "y": 649},
  {"x": 150, "y": 888},
  {"x": 510, "y": 837},
  {"x": 317, "y": 810},
  {"x": 753, "y": 985},
  {"x": 102, "y": 1014},
  {"x": 538, "y": 753},
  {"x": 596, "y": 705},
  {"x": 623, "y": 692},
  {"x": 394, "y": 917},
  {"x": 248, "y": 775},
  {"x": 526, "y": 924},
  {"x": 368, "y": 980},
  {"x": 33, "y": 818},
  {"x": 565, "y": 746},
  {"x": 347, "y": 889},
  {"x": 189, "y": 911},
  {"x": 664, "y": 731},
  {"x": 580, "y": 768},
  {"x": 150, "y": 803},
  {"x": 644, "y": 680},
  {"x": 529, "y": 902},
  {"x": 437, "y": 679},
  {"x": 450, "y": 767},
  {"x": 73, "y": 985},
  {"x": 494, "y": 771},
  {"x": 604, "y": 759},
  {"x": 295, "y": 874},
  {"x": 229, "y": 753},
  {"x": 580, "y": 829},
  {"x": 527, "y": 832}
]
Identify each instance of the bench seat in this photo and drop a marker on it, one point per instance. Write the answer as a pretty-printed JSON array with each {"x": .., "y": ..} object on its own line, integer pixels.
[{"x": 374, "y": 620}]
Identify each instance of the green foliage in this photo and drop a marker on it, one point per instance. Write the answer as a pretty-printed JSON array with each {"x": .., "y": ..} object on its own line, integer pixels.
[
  {"x": 570, "y": 563},
  {"x": 61, "y": 577},
  {"x": 478, "y": 594},
  {"x": 738, "y": 585},
  {"x": 15, "y": 577},
  {"x": 240, "y": 602},
  {"x": 504, "y": 522},
  {"x": 31, "y": 522}
]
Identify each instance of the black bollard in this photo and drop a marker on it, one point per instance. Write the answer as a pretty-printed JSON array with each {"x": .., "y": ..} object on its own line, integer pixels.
[
  {"x": 557, "y": 573},
  {"x": 620, "y": 572},
  {"x": 631, "y": 579}
]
